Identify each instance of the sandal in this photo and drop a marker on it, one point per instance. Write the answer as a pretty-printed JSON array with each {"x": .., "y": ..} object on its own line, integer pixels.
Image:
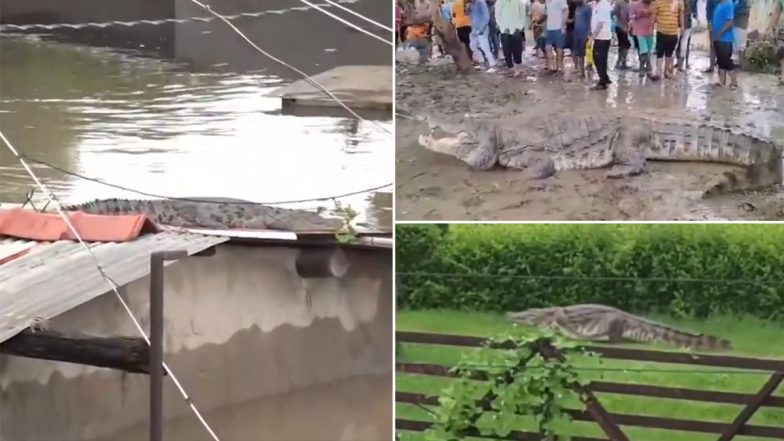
[{"x": 733, "y": 86}]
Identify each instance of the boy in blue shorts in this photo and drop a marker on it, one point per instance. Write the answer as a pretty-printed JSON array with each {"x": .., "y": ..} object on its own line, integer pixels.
[
  {"x": 555, "y": 33},
  {"x": 723, "y": 39},
  {"x": 582, "y": 28}
]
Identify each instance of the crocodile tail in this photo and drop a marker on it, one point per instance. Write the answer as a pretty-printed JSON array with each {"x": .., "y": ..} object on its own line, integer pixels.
[{"x": 694, "y": 341}]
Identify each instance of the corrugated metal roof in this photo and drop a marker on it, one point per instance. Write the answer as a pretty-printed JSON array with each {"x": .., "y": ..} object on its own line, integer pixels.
[
  {"x": 288, "y": 238},
  {"x": 53, "y": 277}
]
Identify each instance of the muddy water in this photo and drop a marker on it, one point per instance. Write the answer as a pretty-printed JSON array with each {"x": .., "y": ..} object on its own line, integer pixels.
[
  {"x": 179, "y": 110},
  {"x": 432, "y": 186},
  {"x": 357, "y": 409}
]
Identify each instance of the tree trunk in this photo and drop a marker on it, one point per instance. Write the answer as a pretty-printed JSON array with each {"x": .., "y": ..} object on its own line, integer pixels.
[{"x": 448, "y": 36}]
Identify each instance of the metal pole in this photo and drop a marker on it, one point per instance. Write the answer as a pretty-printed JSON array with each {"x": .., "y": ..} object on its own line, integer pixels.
[{"x": 156, "y": 339}]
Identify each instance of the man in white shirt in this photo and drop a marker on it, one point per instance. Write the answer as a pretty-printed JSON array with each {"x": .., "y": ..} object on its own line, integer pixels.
[
  {"x": 510, "y": 15},
  {"x": 601, "y": 23},
  {"x": 555, "y": 34}
]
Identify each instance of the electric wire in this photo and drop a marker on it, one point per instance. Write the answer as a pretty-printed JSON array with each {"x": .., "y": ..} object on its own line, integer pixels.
[
  {"x": 56, "y": 203},
  {"x": 587, "y": 278},
  {"x": 305, "y": 76},
  {"x": 156, "y": 22},
  {"x": 347, "y": 23},
  {"x": 356, "y": 14},
  {"x": 200, "y": 200}
]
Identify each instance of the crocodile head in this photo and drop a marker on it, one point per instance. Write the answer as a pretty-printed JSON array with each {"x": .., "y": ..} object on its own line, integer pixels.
[
  {"x": 533, "y": 317},
  {"x": 475, "y": 143}
]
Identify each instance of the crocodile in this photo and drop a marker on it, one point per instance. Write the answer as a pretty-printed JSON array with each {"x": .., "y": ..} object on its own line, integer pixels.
[
  {"x": 545, "y": 145},
  {"x": 604, "y": 323},
  {"x": 216, "y": 213}
]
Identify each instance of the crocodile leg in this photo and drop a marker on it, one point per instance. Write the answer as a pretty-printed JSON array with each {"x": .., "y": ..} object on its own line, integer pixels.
[
  {"x": 538, "y": 164},
  {"x": 629, "y": 167},
  {"x": 566, "y": 327},
  {"x": 628, "y": 147},
  {"x": 752, "y": 177},
  {"x": 758, "y": 161},
  {"x": 615, "y": 330}
]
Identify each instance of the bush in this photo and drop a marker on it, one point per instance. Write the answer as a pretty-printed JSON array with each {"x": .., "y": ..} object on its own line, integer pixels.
[
  {"x": 762, "y": 55},
  {"x": 515, "y": 267}
]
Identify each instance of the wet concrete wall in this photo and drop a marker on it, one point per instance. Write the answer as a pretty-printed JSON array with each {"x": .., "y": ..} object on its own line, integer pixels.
[
  {"x": 310, "y": 41},
  {"x": 83, "y": 11},
  {"x": 761, "y": 11},
  {"x": 78, "y": 11},
  {"x": 257, "y": 361},
  {"x": 758, "y": 18},
  {"x": 307, "y": 39}
]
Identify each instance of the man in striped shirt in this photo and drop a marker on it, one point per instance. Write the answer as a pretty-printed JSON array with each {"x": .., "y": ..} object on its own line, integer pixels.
[{"x": 668, "y": 16}]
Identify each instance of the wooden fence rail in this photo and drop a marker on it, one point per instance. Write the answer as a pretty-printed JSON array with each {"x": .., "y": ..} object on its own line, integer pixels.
[{"x": 609, "y": 421}]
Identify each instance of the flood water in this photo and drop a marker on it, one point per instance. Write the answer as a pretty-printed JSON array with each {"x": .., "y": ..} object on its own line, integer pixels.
[
  {"x": 179, "y": 109},
  {"x": 355, "y": 409}
]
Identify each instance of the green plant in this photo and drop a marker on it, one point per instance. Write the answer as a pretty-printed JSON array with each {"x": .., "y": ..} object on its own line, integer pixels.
[
  {"x": 528, "y": 376},
  {"x": 348, "y": 233},
  {"x": 762, "y": 55},
  {"x": 686, "y": 270}
]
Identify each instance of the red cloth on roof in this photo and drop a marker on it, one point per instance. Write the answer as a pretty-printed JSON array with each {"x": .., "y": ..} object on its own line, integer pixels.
[{"x": 26, "y": 224}]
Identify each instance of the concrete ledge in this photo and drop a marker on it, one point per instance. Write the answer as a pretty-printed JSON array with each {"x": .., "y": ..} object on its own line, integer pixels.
[{"x": 359, "y": 87}]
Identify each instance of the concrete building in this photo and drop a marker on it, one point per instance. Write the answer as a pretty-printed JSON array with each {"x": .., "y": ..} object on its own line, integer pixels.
[
  {"x": 264, "y": 353},
  {"x": 288, "y": 29}
]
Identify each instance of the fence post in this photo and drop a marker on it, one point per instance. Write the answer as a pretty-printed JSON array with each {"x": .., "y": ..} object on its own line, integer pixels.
[
  {"x": 594, "y": 407},
  {"x": 751, "y": 407},
  {"x": 156, "y": 339}
]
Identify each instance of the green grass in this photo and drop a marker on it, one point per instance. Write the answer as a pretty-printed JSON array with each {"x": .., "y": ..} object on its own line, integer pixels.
[{"x": 749, "y": 336}]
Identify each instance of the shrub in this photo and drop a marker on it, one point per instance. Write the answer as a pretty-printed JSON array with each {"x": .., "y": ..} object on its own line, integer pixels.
[{"x": 629, "y": 266}]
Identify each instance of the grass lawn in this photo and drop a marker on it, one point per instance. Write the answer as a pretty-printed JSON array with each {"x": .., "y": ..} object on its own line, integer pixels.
[{"x": 749, "y": 336}]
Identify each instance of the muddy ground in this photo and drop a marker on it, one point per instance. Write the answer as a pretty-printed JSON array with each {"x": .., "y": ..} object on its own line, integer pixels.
[{"x": 431, "y": 186}]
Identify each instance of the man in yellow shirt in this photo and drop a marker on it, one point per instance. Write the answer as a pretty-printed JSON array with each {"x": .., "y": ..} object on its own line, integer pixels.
[
  {"x": 462, "y": 23},
  {"x": 668, "y": 17}
]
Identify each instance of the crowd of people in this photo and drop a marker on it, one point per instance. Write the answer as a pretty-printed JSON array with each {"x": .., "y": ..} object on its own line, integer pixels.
[{"x": 658, "y": 30}]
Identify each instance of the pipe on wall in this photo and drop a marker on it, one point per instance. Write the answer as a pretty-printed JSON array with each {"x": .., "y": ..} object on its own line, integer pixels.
[{"x": 322, "y": 262}]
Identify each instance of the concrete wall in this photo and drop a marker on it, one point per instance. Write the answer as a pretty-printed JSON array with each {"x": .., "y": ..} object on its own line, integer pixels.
[
  {"x": 77, "y": 11},
  {"x": 308, "y": 40},
  {"x": 151, "y": 38},
  {"x": 758, "y": 19},
  {"x": 258, "y": 363}
]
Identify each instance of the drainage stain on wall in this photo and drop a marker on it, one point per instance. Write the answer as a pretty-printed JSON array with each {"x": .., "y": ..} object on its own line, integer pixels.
[{"x": 258, "y": 361}]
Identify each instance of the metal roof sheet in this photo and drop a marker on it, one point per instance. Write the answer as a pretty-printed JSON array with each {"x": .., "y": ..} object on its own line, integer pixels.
[
  {"x": 288, "y": 238},
  {"x": 53, "y": 277}
]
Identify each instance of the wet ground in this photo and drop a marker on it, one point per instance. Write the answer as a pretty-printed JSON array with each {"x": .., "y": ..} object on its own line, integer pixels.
[
  {"x": 431, "y": 186},
  {"x": 178, "y": 109}
]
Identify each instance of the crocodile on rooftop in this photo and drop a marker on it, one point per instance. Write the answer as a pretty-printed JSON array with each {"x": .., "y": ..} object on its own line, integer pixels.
[{"x": 218, "y": 213}]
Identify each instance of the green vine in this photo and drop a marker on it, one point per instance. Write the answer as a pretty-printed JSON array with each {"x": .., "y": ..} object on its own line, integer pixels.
[
  {"x": 510, "y": 378},
  {"x": 348, "y": 233}
]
